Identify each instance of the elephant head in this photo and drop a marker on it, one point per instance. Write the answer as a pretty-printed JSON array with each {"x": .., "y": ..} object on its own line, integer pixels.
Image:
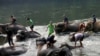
[
  {"x": 88, "y": 26},
  {"x": 23, "y": 35},
  {"x": 3, "y": 28},
  {"x": 59, "y": 27}
]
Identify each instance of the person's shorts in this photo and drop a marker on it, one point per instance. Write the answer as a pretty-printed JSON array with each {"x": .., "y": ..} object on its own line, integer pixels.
[
  {"x": 32, "y": 26},
  {"x": 80, "y": 38}
]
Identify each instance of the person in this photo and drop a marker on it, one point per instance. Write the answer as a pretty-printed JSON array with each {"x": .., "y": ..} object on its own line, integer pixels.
[
  {"x": 13, "y": 20},
  {"x": 65, "y": 22},
  {"x": 50, "y": 41},
  {"x": 94, "y": 21},
  {"x": 50, "y": 28},
  {"x": 78, "y": 36},
  {"x": 30, "y": 21},
  {"x": 82, "y": 27},
  {"x": 9, "y": 38}
]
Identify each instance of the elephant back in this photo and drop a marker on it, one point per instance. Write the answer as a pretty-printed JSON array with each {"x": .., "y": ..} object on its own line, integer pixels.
[
  {"x": 18, "y": 27},
  {"x": 64, "y": 51},
  {"x": 59, "y": 25},
  {"x": 15, "y": 28},
  {"x": 71, "y": 27}
]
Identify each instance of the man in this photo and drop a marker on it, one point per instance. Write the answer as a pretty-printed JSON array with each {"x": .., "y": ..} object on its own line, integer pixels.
[
  {"x": 94, "y": 21},
  {"x": 82, "y": 27},
  {"x": 65, "y": 22},
  {"x": 13, "y": 20},
  {"x": 50, "y": 41},
  {"x": 50, "y": 28},
  {"x": 30, "y": 21},
  {"x": 79, "y": 36},
  {"x": 9, "y": 38}
]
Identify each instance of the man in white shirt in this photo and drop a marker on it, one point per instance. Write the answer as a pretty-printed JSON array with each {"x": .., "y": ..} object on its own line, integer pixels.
[{"x": 78, "y": 37}]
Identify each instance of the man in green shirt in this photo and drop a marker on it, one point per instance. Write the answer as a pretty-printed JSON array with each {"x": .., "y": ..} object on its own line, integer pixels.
[
  {"x": 50, "y": 28},
  {"x": 30, "y": 22}
]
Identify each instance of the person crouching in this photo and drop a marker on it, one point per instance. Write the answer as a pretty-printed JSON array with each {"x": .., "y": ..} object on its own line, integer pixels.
[
  {"x": 50, "y": 41},
  {"x": 79, "y": 36}
]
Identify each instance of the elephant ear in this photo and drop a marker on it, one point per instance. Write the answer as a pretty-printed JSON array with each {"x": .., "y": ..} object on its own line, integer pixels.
[{"x": 3, "y": 28}]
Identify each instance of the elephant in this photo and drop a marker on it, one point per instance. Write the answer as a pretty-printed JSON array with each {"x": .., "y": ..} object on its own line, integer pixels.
[
  {"x": 10, "y": 30},
  {"x": 11, "y": 27},
  {"x": 24, "y": 35},
  {"x": 89, "y": 26},
  {"x": 71, "y": 27},
  {"x": 8, "y": 51},
  {"x": 63, "y": 50}
]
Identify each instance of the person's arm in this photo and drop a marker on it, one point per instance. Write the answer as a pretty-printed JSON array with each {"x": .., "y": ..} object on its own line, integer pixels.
[{"x": 47, "y": 27}]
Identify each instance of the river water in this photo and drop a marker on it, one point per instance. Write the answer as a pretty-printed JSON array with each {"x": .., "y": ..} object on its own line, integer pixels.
[
  {"x": 91, "y": 44},
  {"x": 43, "y": 11}
]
